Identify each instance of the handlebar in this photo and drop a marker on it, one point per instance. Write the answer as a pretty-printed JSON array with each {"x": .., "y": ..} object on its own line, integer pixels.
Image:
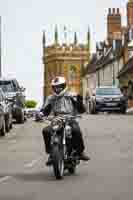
[{"x": 62, "y": 117}]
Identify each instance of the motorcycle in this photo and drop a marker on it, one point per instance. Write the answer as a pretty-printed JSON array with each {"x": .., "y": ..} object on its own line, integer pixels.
[{"x": 62, "y": 154}]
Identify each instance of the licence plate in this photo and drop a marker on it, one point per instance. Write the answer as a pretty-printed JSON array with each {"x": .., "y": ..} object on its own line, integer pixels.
[{"x": 111, "y": 104}]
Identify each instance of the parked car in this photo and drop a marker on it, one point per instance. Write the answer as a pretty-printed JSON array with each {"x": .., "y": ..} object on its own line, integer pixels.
[
  {"x": 108, "y": 99},
  {"x": 15, "y": 94},
  {"x": 5, "y": 114},
  {"x": 30, "y": 112}
]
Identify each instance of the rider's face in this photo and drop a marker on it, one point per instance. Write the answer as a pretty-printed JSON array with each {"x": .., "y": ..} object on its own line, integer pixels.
[{"x": 57, "y": 89}]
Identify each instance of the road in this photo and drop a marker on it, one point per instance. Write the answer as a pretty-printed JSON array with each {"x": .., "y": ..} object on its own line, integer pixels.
[{"x": 107, "y": 176}]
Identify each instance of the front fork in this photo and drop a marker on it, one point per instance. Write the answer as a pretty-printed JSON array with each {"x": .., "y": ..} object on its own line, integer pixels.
[{"x": 61, "y": 141}]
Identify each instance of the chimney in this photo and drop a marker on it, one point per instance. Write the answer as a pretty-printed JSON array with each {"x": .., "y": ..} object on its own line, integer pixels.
[
  {"x": 118, "y": 11},
  {"x": 113, "y": 23},
  {"x": 109, "y": 11},
  {"x": 113, "y": 11}
]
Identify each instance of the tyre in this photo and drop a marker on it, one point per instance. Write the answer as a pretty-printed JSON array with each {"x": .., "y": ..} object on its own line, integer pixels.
[
  {"x": 11, "y": 126},
  {"x": 123, "y": 110},
  {"x": 3, "y": 130},
  {"x": 58, "y": 162},
  {"x": 7, "y": 126},
  {"x": 20, "y": 118},
  {"x": 72, "y": 170},
  {"x": 93, "y": 109}
]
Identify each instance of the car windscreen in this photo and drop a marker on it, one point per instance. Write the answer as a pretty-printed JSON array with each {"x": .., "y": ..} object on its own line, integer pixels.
[
  {"x": 6, "y": 86},
  {"x": 108, "y": 91}
]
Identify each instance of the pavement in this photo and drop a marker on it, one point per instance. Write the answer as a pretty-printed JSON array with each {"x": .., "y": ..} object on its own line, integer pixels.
[{"x": 107, "y": 176}]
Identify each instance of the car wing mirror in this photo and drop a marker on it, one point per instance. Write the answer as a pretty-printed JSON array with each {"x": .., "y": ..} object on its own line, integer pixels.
[
  {"x": 9, "y": 100},
  {"x": 22, "y": 89}
]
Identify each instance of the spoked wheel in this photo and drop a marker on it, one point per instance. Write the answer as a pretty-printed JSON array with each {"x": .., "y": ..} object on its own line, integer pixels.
[{"x": 58, "y": 162}]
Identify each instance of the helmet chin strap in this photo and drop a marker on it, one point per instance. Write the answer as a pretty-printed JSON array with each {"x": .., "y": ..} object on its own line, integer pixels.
[{"x": 61, "y": 93}]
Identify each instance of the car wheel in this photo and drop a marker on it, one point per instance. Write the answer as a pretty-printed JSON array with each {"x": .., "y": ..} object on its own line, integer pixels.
[
  {"x": 123, "y": 110},
  {"x": 3, "y": 130},
  {"x": 94, "y": 111},
  {"x": 11, "y": 125},
  {"x": 20, "y": 118},
  {"x": 7, "y": 125}
]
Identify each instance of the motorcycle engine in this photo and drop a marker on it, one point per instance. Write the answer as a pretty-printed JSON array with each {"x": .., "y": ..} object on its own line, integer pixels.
[{"x": 56, "y": 125}]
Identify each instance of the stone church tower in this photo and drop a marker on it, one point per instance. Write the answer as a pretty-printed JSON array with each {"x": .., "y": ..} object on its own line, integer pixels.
[{"x": 65, "y": 60}]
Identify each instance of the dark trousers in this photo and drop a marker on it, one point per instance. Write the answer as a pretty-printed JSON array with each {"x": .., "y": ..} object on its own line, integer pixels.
[{"x": 77, "y": 139}]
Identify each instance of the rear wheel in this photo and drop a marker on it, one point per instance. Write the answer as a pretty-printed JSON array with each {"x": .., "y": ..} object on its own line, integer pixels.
[
  {"x": 20, "y": 118},
  {"x": 7, "y": 126},
  {"x": 123, "y": 110},
  {"x": 11, "y": 126},
  {"x": 3, "y": 130},
  {"x": 72, "y": 170},
  {"x": 58, "y": 162}
]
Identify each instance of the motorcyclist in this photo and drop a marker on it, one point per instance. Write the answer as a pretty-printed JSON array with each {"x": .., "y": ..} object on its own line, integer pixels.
[{"x": 64, "y": 102}]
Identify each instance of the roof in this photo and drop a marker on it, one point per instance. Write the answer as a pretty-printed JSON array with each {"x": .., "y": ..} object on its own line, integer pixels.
[
  {"x": 107, "y": 59},
  {"x": 6, "y": 79},
  {"x": 91, "y": 66},
  {"x": 96, "y": 64},
  {"x": 126, "y": 68}
]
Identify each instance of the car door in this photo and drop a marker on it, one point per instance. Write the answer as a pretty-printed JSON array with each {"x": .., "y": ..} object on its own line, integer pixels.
[{"x": 1, "y": 111}]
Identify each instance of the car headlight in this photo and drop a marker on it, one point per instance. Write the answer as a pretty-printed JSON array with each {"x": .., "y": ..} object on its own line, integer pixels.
[{"x": 99, "y": 99}]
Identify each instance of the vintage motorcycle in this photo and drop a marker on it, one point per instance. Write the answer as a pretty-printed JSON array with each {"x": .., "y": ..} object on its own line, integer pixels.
[{"x": 62, "y": 153}]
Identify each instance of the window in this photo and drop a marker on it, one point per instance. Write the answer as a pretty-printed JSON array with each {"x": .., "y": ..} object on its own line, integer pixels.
[
  {"x": 72, "y": 74},
  {"x": 6, "y": 86}
]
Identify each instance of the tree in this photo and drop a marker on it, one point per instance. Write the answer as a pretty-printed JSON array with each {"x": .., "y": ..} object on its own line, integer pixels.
[{"x": 30, "y": 104}]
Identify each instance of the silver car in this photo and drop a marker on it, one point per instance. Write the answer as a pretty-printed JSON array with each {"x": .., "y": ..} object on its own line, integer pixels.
[{"x": 5, "y": 114}]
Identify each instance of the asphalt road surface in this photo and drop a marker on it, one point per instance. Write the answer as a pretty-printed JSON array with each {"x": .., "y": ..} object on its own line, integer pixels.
[{"x": 107, "y": 176}]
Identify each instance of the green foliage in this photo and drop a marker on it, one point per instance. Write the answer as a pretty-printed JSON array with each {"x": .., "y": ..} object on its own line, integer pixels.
[{"x": 30, "y": 104}]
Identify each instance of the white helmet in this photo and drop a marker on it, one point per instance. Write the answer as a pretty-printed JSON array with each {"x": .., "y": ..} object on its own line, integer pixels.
[{"x": 58, "y": 84}]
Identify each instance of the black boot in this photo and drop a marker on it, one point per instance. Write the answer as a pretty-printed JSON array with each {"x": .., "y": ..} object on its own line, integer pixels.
[
  {"x": 84, "y": 157},
  {"x": 49, "y": 161}
]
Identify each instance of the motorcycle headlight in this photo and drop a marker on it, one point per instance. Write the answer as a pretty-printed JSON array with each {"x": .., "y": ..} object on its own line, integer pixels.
[
  {"x": 55, "y": 127},
  {"x": 14, "y": 106},
  {"x": 68, "y": 130}
]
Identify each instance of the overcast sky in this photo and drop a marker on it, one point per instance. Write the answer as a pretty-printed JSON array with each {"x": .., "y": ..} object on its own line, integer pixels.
[{"x": 22, "y": 25}]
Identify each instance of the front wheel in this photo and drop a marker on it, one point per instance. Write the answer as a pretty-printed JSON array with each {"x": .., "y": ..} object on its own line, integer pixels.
[
  {"x": 123, "y": 110},
  {"x": 58, "y": 162},
  {"x": 20, "y": 118},
  {"x": 72, "y": 170}
]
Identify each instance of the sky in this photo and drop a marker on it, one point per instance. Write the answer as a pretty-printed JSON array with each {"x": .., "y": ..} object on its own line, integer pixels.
[{"x": 23, "y": 22}]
